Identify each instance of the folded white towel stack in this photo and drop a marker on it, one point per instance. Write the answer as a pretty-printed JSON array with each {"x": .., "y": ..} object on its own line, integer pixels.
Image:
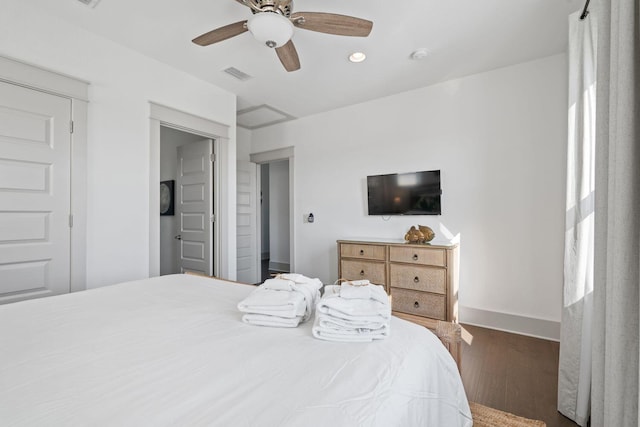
[
  {"x": 284, "y": 301},
  {"x": 357, "y": 312}
]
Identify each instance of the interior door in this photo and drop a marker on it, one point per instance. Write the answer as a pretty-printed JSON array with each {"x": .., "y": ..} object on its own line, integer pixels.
[
  {"x": 247, "y": 220},
  {"x": 35, "y": 187},
  {"x": 195, "y": 207}
]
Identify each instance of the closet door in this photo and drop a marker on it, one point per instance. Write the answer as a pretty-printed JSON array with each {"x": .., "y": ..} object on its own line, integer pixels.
[{"x": 35, "y": 145}]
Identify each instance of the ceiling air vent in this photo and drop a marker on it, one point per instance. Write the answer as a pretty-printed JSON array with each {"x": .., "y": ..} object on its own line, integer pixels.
[
  {"x": 232, "y": 71},
  {"x": 90, "y": 3}
]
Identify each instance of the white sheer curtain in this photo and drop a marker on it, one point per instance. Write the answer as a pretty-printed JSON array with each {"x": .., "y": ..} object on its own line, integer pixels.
[
  {"x": 616, "y": 332},
  {"x": 574, "y": 374}
]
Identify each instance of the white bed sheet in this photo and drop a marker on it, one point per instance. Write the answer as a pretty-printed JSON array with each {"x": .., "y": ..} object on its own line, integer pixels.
[{"x": 173, "y": 351}]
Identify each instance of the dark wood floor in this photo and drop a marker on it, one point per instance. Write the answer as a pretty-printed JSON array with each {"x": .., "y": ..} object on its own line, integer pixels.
[{"x": 513, "y": 373}]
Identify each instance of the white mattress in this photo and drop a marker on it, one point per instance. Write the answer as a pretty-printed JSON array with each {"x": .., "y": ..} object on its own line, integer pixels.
[{"x": 172, "y": 351}]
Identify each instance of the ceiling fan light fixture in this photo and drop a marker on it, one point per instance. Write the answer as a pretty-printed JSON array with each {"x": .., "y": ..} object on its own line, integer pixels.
[{"x": 270, "y": 29}]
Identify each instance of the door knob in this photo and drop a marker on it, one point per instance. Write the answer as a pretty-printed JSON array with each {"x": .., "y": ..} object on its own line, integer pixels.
[{"x": 178, "y": 237}]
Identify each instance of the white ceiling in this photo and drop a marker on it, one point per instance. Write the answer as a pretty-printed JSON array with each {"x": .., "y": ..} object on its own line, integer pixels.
[{"x": 463, "y": 37}]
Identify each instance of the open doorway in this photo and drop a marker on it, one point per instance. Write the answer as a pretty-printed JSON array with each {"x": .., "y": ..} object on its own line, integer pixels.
[
  {"x": 224, "y": 261},
  {"x": 275, "y": 218},
  {"x": 186, "y": 202},
  {"x": 273, "y": 241}
]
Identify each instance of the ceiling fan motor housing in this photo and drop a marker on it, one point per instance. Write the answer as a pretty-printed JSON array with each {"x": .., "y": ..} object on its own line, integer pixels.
[{"x": 283, "y": 7}]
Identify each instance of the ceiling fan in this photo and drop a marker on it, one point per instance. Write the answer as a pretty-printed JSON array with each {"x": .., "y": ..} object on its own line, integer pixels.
[{"x": 273, "y": 22}]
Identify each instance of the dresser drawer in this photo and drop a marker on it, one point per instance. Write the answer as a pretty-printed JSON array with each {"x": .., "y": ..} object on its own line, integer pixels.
[
  {"x": 364, "y": 251},
  {"x": 419, "y": 303},
  {"x": 413, "y": 255},
  {"x": 430, "y": 279},
  {"x": 356, "y": 270}
]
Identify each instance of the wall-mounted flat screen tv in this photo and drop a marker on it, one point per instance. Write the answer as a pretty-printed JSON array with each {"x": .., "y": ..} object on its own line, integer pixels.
[{"x": 415, "y": 193}]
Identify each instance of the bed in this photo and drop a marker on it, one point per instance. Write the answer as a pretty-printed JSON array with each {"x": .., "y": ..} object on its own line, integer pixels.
[{"x": 172, "y": 351}]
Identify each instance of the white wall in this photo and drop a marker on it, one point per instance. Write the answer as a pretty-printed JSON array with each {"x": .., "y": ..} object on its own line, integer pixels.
[
  {"x": 499, "y": 140},
  {"x": 279, "y": 215},
  {"x": 122, "y": 84},
  {"x": 243, "y": 137}
]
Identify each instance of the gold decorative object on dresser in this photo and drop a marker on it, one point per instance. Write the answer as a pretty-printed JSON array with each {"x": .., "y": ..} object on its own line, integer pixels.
[
  {"x": 422, "y": 234},
  {"x": 422, "y": 279}
]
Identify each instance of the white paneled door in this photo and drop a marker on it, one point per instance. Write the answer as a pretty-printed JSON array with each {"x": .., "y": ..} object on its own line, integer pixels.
[
  {"x": 35, "y": 193},
  {"x": 194, "y": 207},
  {"x": 247, "y": 223}
]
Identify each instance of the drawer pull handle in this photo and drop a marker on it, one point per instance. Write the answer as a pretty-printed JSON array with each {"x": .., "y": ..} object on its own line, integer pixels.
[
  {"x": 362, "y": 272},
  {"x": 415, "y": 257},
  {"x": 416, "y": 279},
  {"x": 361, "y": 251},
  {"x": 416, "y": 304}
]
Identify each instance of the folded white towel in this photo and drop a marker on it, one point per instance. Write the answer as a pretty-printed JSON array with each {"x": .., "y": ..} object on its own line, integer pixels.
[
  {"x": 333, "y": 322},
  {"x": 273, "y": 321},
  {"x": 363, "y": 291},
  {"x": 301, "y": 279},
  {"x": 311, "y": 296},
  {"x": 352, "y": 319},
  {"x": 274, "y": 303},
  {"x": 298, "y": 278},
  {"x": 348, "y": 335},
  {"x": 352, "y": 309},
  {"x": 309, "y": 287},
  {"x": 357, "y": 319},
  {"x": 292, "y": 297},
  {"x": 362, "y": 282},
  {"x": 278, "y": 284}
]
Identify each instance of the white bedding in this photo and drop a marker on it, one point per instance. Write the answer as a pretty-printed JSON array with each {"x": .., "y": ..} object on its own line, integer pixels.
[{"x": 173, "y": 351}]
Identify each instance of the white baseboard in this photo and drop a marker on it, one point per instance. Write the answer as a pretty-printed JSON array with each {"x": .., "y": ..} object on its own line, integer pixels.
[
  {"x": 538, "y": 328},
  {"x": 279, "y": 266}
]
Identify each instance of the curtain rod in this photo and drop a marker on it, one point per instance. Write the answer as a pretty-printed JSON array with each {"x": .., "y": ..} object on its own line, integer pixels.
[{"x": 585, "y": 11}]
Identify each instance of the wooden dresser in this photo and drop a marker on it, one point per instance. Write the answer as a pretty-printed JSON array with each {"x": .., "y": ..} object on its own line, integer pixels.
[{"x": 421, "y": 279}]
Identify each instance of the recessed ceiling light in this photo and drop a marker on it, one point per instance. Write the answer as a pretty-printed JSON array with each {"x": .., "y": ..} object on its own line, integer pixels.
[
  {"x": 419, "y": 54},
  {"x": 357, "y": 57}
]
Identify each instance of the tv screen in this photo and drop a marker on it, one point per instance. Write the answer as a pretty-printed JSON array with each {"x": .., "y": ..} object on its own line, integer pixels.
[{"x": 415, "y": 193}]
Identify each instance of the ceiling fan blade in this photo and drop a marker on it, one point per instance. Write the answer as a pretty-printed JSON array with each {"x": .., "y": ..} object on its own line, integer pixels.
[
  {"x": 221, "y": 33},
  {"x": 332, "y": 23},
  {"x": 289, "y": 56}
]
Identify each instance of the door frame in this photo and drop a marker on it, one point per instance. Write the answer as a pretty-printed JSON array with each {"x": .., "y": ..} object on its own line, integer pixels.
[
  {"x": 30, "y": 76},
  {"x": 286, "y": 153},
  {"x": 161, "y": 115}
]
